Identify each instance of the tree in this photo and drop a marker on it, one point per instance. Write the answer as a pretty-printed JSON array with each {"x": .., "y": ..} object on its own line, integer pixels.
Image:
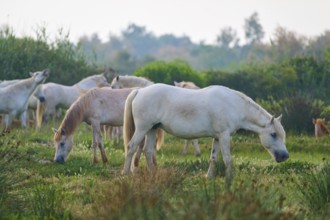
[
  {"x": 227, "y": 38},
  {"x": 253, "y": 29}
]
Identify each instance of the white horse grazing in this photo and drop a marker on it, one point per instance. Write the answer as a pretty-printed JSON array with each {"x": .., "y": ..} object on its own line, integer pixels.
[
  {"x": 189, "y": 85},
  {"x": 14, "y": 98},
  {"x": 52, "y": 96},
  {"x": 129, "y": 81},
  {"x": 215, "y": 111},
  {"x": 99, "y": 106}
]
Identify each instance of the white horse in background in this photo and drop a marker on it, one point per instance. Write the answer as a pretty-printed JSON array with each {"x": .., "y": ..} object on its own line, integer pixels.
[
  {"x": 214, "y": 111},
  {"x": 52, "y": 96},
  {"x": 189, "y": 85},
  {"x": 120, "y": 82},
  {"x": 14, "y": 97},
  {"x": 129, "y": 82},
  {"x": 32, "y": 106}
]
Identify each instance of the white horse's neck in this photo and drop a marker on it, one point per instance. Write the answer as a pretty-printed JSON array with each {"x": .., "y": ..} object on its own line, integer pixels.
[
  {"x": 26, "y": 85},
  {"x": 256, "y": 118},
  {"x": 88, "y": 82}
]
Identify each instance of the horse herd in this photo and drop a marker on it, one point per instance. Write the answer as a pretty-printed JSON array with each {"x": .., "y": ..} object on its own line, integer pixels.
[{"x": 146, "y": 111}]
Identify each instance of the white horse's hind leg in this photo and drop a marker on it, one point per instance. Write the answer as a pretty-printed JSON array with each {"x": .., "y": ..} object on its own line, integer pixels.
[
  {"x": 138, "y": 153},
  {"x": 196, "y": 147},
  {"x": 150, "y": 148},
  {"x": 131, "y": 148}
]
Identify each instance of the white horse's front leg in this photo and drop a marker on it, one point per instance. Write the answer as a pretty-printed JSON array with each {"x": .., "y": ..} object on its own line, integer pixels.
[
  {"x": 197, "y": 150},
  {"x": 8, "y": 120},
  {"x": 185, "y": 147},
  {"x": 23, "y": 118},
  {"x": 225, "y": 150},
  {"x": 214, "y": 158}
]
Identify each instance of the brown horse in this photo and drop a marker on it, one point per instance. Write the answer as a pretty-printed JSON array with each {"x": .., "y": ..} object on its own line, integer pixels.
[
  {"x": 99, "y": 106},
  {"x": 321, "y": 127}
]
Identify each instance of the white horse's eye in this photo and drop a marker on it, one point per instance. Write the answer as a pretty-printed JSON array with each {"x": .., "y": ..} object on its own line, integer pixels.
[{"x": 273, "y": 135}]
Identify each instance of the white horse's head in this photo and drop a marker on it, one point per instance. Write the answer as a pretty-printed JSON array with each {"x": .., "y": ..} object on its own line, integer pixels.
[
  {"x": 116, "y": 83},
  {"x": 272, "y": 137},
  {"x": 63, "y": 145},
  {"x": 40, "y": 76}
]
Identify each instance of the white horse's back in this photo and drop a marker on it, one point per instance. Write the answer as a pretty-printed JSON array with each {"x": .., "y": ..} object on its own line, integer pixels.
[
  {"x": 190, "y": 113},
  {"x": 54, "y": 96}
]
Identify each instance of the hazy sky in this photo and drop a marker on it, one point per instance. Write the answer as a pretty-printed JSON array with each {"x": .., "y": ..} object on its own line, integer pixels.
[{"x": 198, "y": 19}]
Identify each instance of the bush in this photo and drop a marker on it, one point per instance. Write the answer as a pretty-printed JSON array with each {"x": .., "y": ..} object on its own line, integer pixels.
[
  {"x": 163, "y": 72},
  {"x": 19, "y": 56}
]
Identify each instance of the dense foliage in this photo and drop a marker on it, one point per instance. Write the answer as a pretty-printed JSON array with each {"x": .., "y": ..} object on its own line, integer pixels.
[{"x": 20, "y": 56}]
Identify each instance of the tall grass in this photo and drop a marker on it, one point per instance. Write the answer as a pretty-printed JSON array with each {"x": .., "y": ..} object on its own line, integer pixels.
[
  {"x": 314, "y": 188},
  {"x": 178, "y": 189},
  {"x": 8, "y": 180}
]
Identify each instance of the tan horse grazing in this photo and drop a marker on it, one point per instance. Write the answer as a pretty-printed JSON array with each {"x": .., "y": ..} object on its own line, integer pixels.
[
  {"x": 99, "y": 106},
  {"x": 189, "y": 85},
  {"x": 321, "y": 128}
]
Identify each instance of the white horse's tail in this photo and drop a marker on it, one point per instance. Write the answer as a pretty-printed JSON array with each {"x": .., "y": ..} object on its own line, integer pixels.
[
  {"x": 41, "y": 108},
  {"x": 160, "y": 138},
  {"x": 129, "y": 126}
]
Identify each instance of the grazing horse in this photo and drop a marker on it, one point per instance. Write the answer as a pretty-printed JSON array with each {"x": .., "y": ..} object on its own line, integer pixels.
[
  {"x": 321, "y": 127},
  {"x": 14, "y": 98},
  {"x": 214, "y": 111},
  {"x": 52, "y": 96},
  {"x": 129, "y": 81},
  {"x": 99, "y": 106},
  {"x": 189, "y": 85}
]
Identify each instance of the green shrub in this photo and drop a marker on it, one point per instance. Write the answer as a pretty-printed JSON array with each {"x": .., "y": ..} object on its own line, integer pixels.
[{"x": 168, "y": 72}]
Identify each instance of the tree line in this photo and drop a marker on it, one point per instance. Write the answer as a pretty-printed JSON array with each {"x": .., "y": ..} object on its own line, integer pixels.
[{"x": 289, "y": 76}]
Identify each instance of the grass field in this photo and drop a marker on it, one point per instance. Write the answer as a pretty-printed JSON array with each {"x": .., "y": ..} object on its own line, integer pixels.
[{"x": 33, "y": 187}]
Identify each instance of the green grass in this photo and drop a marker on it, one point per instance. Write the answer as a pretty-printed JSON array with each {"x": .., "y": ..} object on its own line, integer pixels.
[{"x": 33, "y": 187}]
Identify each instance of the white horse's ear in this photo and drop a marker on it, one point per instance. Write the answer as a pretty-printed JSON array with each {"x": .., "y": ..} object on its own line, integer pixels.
[
  {"x": 272, "y": 120},
  {"x": 279, "y": 118},
  {"x": 54, "y": 130}
]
